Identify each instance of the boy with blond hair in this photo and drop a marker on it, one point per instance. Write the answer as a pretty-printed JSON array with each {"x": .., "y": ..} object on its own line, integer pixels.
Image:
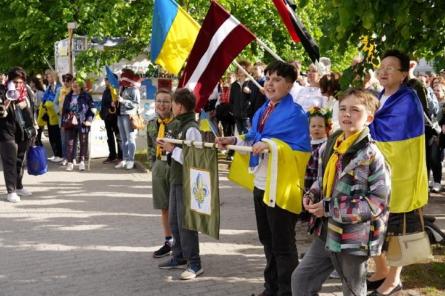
[{"x": 350, "y": 199}]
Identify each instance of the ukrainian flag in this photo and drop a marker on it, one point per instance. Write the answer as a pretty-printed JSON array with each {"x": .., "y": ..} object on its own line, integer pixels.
[
  {"x": 205, "y": 125},
  {"x": 287, "y": 133},
  {"x": 285, "y": 175},
  {"x": 174, "y": 32},
  {"x": 114, "y": 82},
  {"x": 398, "y": 129}
]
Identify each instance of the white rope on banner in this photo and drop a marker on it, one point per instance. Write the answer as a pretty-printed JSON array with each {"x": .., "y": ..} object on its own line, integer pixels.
[{"x": 209, "y": 145}]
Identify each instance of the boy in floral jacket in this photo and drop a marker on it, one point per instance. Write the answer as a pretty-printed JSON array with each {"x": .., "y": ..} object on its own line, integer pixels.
[{"x": 350, "y": 199}]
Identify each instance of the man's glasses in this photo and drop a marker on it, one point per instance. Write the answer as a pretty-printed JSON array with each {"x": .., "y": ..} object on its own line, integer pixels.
[{"x": 389, "y": 69}]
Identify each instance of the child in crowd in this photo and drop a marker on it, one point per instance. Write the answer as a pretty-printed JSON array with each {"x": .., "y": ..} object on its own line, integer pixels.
[
  {"x": 185, "y": 247},
  {"x": 320, "y": 124},
  {"x": 350, "y": 199}
]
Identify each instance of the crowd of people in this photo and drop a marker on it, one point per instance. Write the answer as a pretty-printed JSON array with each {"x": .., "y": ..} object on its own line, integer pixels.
[
  {"x": 353, "y": 196},
  {"x": 67, "y": 111}
]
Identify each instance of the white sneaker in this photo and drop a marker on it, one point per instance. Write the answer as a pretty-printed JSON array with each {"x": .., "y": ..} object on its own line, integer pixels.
[
  {"x": 64, "y": 162},
  {"x": 57, "y": 159},
  {"x": 13, "y": 197},
  {"x": 51, "y": 158},
  {"x": 70, "y": 166},
  {"x": 81, "y": 166},
  {"x": 436, "y": 187},
  {"x": 121, "y": 164},
  {"x": 23, "y": 192},
  {"x": 129, "y": 165},
  {"x": 430, "y": 183},
  {"x": 190, "y": 273}
]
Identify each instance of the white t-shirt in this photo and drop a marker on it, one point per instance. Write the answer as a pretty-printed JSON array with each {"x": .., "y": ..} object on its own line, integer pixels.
[
  {"x": 309, "y": 97},
  {"x": 383, "y": 100}
]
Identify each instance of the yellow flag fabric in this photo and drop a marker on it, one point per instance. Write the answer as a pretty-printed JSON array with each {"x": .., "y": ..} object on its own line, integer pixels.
[
  {"x": 63, "y": 92},
  {"x": 285, "y": 175},
  {"x": 204, "y": 125},
  {"x": 239, "y": 171},
  {"x": 408, "y": 173}
]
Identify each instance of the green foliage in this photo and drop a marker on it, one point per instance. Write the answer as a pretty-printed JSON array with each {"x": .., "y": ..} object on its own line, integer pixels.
[
  {"x": 416, "y": 27},
  {"x": 30, "y": 28}
]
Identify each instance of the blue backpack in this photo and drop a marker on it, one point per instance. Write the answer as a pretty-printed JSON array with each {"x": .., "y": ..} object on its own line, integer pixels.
[{"x": 36, "y": 160}]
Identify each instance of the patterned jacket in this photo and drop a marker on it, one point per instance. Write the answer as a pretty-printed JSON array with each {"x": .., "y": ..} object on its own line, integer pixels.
[{"x": 357, "y": 212}]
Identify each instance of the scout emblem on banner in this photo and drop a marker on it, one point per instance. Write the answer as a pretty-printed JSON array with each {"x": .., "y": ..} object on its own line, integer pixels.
[{"x": 201, "y": 190}]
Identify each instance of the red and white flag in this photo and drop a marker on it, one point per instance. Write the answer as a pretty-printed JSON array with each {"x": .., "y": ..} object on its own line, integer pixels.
[{"x": 219, "y": 42}]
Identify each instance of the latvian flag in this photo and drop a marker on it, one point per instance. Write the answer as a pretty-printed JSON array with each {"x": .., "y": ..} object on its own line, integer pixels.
[
  {"x": 219, "y": 42},
  {"x": 296, "y": 29}
]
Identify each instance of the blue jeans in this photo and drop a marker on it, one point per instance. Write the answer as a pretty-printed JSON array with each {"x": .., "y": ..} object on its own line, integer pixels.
[{"x": 128, "y": 137}]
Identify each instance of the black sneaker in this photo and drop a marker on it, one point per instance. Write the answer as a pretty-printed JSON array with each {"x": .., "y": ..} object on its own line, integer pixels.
[
  {"x": 163, "y": 251},
  {"x": 109, "y": 160},
  {"x": 173, "y": 264}
]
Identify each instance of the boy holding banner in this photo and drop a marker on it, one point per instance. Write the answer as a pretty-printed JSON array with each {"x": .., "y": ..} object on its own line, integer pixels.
[
  {"x": 186, "y": 242},
  {"x": 281, "y": 126}
]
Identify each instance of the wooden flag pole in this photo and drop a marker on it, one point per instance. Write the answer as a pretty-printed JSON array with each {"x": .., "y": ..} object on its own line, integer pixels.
[{"x": 208, "y": 145}]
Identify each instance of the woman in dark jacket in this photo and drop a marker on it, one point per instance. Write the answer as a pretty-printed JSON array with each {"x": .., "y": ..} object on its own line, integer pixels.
[
  {"x": 16, "y": 131},
  {"x": 76, "y": 120}
]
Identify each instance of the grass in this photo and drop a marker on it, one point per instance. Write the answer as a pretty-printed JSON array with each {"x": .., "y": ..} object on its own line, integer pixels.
[{"x": 427, "y": 279}]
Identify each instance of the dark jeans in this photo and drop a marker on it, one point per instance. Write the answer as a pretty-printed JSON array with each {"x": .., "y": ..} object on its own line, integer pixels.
[
  {"x": 71, "y": 138},
  {"x": 113, "y": 137},
  {"x": 434, "y": 159},
  {"x": 242, "y": 125},
  {"x": 276, "y": 231},
  {"x": 55, "y": 139},
  {"x": 13, "y": 156},
  {"x": 185, "y": 242},
  {"x": 38, "y": 140},
  {"x": 228, "y": 128}
]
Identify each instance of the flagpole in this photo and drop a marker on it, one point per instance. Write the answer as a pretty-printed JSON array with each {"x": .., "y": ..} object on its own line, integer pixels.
[
  {"x": 209, "y": 145},
  {"x": 269, "y": 50}
]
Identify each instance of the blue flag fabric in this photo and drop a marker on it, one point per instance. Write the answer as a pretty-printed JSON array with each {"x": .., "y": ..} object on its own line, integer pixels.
[
  {"x": 111, "y": 78},
  {"x": 398, "y": 130},
  {"x": 288, "y": 122},
  {"x": 400, "y": 118}
]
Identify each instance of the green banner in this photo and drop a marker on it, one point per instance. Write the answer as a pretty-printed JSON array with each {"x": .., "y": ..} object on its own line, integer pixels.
[{"x": 201, "y": 190}]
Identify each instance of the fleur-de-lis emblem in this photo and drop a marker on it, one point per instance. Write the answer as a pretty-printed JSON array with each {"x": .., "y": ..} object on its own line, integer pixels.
[{"x": 200, "y": 190}]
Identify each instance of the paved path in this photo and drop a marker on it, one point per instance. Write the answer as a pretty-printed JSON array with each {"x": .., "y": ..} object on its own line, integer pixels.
[{"x": 92, "y": 233}]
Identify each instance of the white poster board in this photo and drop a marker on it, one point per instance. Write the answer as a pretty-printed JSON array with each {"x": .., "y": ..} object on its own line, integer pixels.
[{"x": 98, "y": 146}]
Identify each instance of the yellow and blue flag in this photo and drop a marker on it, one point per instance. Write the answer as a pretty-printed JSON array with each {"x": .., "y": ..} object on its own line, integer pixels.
[
  {"x": 205, "y": 125},
  {"x": 286, "y": 131},
  {"x": 114, "y": 82},
  {"x": 399, "y": 132},
  {"x": 174, "y": 32}
]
